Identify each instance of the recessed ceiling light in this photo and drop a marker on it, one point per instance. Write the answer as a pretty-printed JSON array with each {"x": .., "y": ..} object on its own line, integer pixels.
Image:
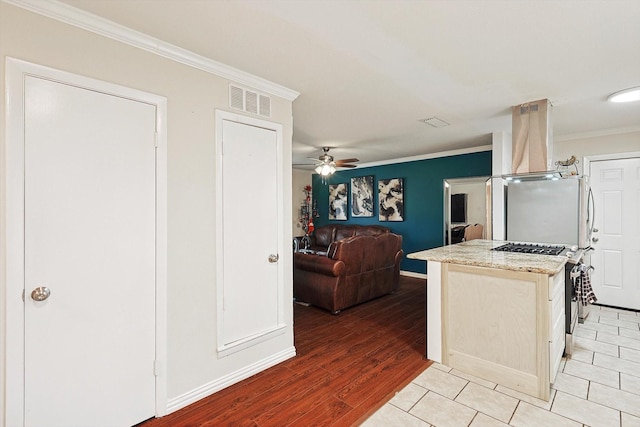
[{"x": 627, "y": 95}]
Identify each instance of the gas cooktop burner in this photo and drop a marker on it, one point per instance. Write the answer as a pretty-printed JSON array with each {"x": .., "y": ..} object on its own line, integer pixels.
[{"x": 530, "y": 248}]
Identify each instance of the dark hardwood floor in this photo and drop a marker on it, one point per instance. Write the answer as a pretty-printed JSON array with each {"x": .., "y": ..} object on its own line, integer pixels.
[{"x": 347, "y": 366}]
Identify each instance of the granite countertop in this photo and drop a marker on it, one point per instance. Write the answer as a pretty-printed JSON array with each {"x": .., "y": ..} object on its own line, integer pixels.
[{"x": 478, "y": 253}]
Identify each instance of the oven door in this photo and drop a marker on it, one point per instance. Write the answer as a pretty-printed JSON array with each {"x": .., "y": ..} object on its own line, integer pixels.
[
  {"x": 583, "y": 310},
  {"x": 571, "y": 303}
]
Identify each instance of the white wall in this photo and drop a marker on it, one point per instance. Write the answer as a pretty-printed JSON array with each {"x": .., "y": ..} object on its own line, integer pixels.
[
  {"x": 193, "y": 96},
  {"x": 299, "y": 179},
  {"x": 580, "y": 146},
  {"x": 500, "y": 164}
]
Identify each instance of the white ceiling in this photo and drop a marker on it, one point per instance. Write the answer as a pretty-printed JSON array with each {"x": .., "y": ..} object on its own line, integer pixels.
[{"x": 368, "y": 71}]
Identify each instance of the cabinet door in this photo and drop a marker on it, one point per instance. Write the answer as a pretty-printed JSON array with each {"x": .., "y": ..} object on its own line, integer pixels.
[
  {"x": 496, "y": 326},
  {"x": 556, "y": 323}
]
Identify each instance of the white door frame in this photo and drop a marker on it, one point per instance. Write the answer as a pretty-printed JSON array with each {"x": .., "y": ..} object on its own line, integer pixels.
[
  {"x": 586, "y": 161},
  {"x": 14, "y": 328}
]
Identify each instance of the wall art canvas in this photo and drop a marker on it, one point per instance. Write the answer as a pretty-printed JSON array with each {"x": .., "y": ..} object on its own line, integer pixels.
[
  {"x": 391, "y": 199},
  {"x": 338, "y": 201},
  {"x": 362, "y": 196}
]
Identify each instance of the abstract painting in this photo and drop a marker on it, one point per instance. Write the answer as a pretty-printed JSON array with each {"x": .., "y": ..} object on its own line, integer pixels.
[
  {"x": 338, "y": 201},
  {"x": 362, "y": 196},
  {"x": 391, "y": 199}
]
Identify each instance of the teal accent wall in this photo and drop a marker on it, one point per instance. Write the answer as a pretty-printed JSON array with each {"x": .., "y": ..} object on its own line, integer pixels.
[{"x": 423, "y": 225}]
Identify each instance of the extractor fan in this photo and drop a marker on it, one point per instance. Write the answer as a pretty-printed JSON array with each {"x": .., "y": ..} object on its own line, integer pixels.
[{"x": 326, "y": 165}]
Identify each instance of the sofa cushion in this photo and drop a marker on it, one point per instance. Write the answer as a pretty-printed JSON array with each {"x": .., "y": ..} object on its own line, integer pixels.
[
  {"x": 344, "y": 232},
  {"x": 371, "y": 230},
  {"x": 324, "y": 235}
]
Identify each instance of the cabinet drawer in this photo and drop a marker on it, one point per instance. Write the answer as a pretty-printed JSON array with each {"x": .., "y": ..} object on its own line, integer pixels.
[
  {"x": 556, "y": 350},
  {"x": 556, "y": 284},
  {"x": 556, "y": 314}
]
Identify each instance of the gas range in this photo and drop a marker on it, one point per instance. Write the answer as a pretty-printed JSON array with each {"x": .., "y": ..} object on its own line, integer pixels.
[{"x": 530, "y": 248}]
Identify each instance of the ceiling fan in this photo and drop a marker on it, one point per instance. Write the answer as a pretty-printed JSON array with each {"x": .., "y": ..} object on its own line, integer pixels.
[{"x": 326, "y": 165}]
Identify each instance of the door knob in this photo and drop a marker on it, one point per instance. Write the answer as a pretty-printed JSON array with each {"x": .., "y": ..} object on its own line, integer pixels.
[
  {"x": 40, "y": 293},
  {"x": 595, "y": 239},
  {"x": 273, "y": 258}
]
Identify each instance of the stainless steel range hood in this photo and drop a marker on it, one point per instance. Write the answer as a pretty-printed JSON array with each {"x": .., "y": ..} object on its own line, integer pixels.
[{"x": 532, "y": 145}]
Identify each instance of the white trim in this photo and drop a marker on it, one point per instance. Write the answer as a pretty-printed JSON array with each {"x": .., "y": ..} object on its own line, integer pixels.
[
  {"x": 597, "y": 133},
  {"x": 250, "y": 341},
  {"x": 586, "y": 160},
  {"x": 212, "y": 387},
  {"x": 14, "y": 213},
  {"x": 423, "y": 157},
  {"x": 16, "y": 70},
  {"x": 609, "y": 156},
  {"x": 161, "y": 255},
  {"x": 87, "y": 21},
  {"x": 413, "y": 274}
]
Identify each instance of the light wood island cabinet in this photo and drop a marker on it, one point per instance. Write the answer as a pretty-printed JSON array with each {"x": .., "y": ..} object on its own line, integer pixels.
[{"x": 496, "y": 315}]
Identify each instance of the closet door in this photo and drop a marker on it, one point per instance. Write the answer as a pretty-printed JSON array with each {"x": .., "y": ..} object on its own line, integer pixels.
[
  {"x": 250, "y": 289},
  {"x": 89, "y": 271}
]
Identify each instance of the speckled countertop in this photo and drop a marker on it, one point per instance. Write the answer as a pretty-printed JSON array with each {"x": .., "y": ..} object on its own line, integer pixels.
[{"x": 478, "y": 253}]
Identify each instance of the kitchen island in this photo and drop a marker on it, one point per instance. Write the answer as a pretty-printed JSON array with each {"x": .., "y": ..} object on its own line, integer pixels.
[{"x": 496, "y": 315}]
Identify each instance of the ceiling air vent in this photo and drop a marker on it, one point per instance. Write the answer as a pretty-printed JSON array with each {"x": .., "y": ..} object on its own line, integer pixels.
[
  {"x": 435, "y": 122},
  {"x": 249, "y": 101}
]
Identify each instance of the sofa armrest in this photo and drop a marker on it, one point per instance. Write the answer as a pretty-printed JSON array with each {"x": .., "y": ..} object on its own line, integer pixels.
[{"x": 319, "y": 264}]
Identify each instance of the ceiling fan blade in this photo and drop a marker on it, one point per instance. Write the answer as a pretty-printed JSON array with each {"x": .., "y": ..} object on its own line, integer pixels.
[
  {"x": 346, "y": 166},
  {"x": 347, "y": 161}
]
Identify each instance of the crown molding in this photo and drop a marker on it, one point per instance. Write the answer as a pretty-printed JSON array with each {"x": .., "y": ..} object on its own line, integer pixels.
[
  {"x": 428, "y": 156},
  {"x": 87, "y": 21},
  {"x": 596, "y": 134},
  {"x": 416, "y": 158}
]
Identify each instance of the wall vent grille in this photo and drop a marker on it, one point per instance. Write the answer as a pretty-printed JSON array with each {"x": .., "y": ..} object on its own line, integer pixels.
[
  {"x": 249, "y": 101},
  {"x": 236, "y": 98}
]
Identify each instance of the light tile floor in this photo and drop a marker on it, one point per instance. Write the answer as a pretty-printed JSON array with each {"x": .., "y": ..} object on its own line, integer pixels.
[{"x": 598, "y": 387}]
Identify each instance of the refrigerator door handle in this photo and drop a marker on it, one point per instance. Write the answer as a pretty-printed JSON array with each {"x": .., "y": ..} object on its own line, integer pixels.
[{"x": 592, "y": 212}]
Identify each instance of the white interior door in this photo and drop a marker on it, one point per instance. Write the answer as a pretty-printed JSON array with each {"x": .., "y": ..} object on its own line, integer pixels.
[
  {"x": 250, "y": 288},
  {"x": 616, "y": 189},
  {"x": 90, "y": 239}
]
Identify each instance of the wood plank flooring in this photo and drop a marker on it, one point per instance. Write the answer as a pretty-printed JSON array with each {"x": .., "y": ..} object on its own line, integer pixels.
[{"x": 347, "y": 366}]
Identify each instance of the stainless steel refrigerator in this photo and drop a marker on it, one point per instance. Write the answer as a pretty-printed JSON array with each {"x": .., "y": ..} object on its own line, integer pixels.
[
  {"x": 549, "y": 209},
  {"x": 554, "y": 210}
]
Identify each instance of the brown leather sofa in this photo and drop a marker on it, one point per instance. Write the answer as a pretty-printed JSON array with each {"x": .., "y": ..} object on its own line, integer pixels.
[
  {"x": 325, "y": 235},
  {"x": 362, "y": 266}
]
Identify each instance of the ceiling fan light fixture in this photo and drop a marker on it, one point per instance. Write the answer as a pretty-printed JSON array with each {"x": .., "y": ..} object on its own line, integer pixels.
[
  {"x": 327, "y": 166},
  {"x": 627, "y": 95},
  {"x": 326, "y": 169}
]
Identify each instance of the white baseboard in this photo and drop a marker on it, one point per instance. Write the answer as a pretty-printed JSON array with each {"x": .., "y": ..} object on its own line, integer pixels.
[
  {"x": 208, "y": 389},
  {"x": 413, "y": 274}
]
